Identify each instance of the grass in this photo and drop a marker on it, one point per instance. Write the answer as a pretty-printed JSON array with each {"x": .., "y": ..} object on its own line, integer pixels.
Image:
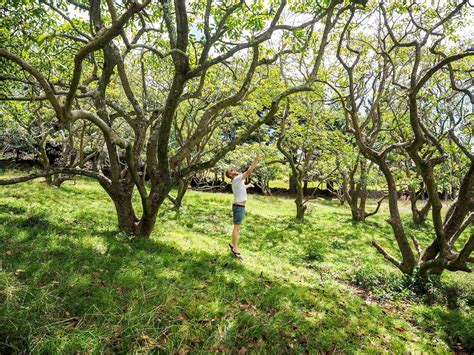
[{"x": 70, "y": 281}]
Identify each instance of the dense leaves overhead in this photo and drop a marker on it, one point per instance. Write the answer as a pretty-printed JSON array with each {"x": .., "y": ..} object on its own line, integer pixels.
[{"x": 142, "y": 96}]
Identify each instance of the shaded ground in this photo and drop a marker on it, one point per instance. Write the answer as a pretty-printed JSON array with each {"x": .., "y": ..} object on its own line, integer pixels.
[{"x": 71, "y": 282}]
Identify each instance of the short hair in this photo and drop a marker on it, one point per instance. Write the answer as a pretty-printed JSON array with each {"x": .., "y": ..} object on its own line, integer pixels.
[{"x": 227, "y": 173}]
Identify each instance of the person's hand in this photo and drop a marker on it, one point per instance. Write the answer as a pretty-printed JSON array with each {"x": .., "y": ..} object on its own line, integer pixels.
[
  {"x": 257, "y": 158},
  {"x": 251, "y": 185}
]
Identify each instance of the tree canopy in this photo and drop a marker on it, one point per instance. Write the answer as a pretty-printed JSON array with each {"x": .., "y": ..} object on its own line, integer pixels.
[{"x": 141, "y": 96}]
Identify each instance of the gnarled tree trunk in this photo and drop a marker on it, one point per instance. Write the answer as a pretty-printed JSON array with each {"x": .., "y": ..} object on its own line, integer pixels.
[
  {"x": 355, "y": 192},
  {"x": 418, "y": 215},
  {"x": 183, "y": 185},
  {"x": 299, "y": 200}
]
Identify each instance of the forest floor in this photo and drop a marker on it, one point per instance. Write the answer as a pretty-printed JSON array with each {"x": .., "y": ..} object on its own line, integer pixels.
[{"x": 70, "y": 281}]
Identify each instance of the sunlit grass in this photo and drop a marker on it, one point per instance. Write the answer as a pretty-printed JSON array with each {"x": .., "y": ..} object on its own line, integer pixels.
[{"x": 87, "y": 287}]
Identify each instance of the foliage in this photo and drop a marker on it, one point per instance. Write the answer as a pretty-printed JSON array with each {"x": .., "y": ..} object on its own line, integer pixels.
[{"x": 270, "y": 168}]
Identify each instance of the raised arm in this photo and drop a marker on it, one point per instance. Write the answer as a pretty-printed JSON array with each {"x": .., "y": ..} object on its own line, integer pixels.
[{"x": 246, "y": 174}]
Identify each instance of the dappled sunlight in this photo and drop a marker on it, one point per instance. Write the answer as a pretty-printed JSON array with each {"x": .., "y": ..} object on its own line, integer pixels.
[
  {"x": 90, "y": 285},
  {"x": 236, "y": 177}
]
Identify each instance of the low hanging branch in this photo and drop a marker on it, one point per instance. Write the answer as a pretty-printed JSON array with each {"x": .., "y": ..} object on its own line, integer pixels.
[
  {"x": 379, "y": 203},
  {"x": 72, "y": 171}
]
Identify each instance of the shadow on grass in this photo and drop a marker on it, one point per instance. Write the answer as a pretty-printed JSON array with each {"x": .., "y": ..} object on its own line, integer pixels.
[
  {"x": 85, "y": 288},
  {"x": 12, "y": 210},
  {"x": 456, "y": 328},
  {"x": 101, "y": 293},
  {"x": 15, "y": 218}
]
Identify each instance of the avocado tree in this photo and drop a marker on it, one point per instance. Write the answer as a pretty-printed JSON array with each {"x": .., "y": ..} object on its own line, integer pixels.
[
  {"x": 409, "y": 53},
  {"x": 425, "y": 147},
  {"x": 355, "y": 182},
  {"x": 307, "y": 134},
  {"x": 134, "y": 110}
]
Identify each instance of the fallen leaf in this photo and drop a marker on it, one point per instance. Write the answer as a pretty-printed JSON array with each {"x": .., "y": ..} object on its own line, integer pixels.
[
  {"x": 205, "y": 321},
  {"x": 303, "y": 339},
  {"x": 149, "y": 340},
  {"x": 222, "y": 348},
  {"x": 182, "y": 317},
  {"x": 18, "y": 272},
  {"x": 117, "y": 329},
  {"x": 8, "y": 253},
  {"x": 244, "y": 305},
  {"x": 220, "y": 332},
  {"x": 271, "y": 312},
  {"x": 253, "y": 343},
  {"x": 242, "y": 351}
]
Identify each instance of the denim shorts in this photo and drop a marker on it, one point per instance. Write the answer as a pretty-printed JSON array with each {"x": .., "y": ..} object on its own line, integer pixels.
[{"x": 238, "y": 212}]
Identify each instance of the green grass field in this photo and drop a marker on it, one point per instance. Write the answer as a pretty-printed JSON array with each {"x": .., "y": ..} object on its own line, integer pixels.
[{"x": 71, "y": 282}]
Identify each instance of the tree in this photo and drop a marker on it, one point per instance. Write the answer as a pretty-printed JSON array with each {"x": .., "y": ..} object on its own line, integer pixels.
[
  {"x": 416, "y": 190},
  {"x": 439, "y": 255},
  {"x": 421, "y": 44},
  {"x": 99, "y": 87},
  {"x": 306, "y": 133},
  {"x": 354, "y": 188}
]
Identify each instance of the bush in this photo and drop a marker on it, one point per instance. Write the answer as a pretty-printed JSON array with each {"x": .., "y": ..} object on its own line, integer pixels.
[
  {"x": 314, "y": 252},
  {"x": 383, "y": 284},
  {"x": 392, "y": 285},
  {"x": 336, "y": 244}
]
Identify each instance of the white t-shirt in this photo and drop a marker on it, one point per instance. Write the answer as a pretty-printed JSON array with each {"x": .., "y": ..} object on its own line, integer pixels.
[{"x": 238, "y": 188}]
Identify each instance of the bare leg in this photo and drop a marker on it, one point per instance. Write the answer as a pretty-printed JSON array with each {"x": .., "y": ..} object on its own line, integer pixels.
[{"x": 235, "y": 236}]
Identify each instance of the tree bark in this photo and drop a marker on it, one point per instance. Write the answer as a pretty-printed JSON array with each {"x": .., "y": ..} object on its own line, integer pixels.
[
  {"x": 182, "y": 188},
  {"x": 408, "y": 263},
  {"x": 292, "y": 185},
  {"x": 299, "y": 200},
  {"x": 418, "y": 215}
]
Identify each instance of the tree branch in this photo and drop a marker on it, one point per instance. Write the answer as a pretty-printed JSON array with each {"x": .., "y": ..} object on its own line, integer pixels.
[
  {"x": 73, "y": 171},
  {"x": 386, "y": 255},
  {"x": 45, "y": 84},
  {"x": 103, "y": 37}
]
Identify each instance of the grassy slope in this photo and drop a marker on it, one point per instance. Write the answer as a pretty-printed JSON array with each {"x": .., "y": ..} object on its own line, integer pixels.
[{"x": 86, "y": 288}]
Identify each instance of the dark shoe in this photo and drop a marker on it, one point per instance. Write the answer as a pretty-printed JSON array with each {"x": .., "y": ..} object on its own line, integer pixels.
[{"x": 235, "y": 252}]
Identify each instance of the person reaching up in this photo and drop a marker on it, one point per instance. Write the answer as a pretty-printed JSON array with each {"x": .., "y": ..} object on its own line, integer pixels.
[{"x": 239, "y": 189}]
